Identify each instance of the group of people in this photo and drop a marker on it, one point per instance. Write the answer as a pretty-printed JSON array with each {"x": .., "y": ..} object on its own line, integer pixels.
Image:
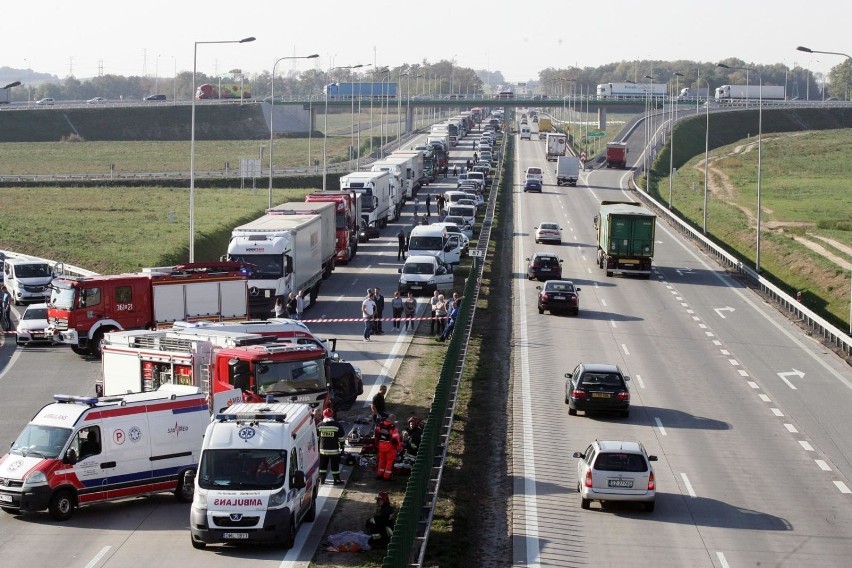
[
  {"x": 403, "y": 311},
  {"x": 444, "y": 315},
  {"x": 293, "y": 307},
  {"x": 391, "y": 443}
]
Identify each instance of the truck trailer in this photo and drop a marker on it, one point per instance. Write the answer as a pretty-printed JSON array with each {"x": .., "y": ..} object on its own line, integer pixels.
[
  {"x": 82, "y": 309},
  {"x": 363, "y": 90},
  {"x": 347, "y": 220},
  {"x": 555, "y": 145},
  {"x": 631, "y": 90},
  {"x": 625, "y": 232},
  {"x": 616, "y": 155},
  {"x": 376, "y": 198},
  {"x": 287, "y": 253},
  {"x": 567, "y": 170},
  {"x": 328, "y": 238},
  {"x": 728, "y": 93}
]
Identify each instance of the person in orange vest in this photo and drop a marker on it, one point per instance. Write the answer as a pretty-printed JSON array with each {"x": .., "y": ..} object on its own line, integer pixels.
[{"x": 388, "y": 442}]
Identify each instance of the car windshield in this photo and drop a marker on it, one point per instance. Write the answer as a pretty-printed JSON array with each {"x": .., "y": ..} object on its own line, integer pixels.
[
  {"x": 37, "y": 270},
  {"x": 290, "y": 378},
  {"x": 268, "y": 265},
  {"x": 418, "y": 268},
  {"x": 41, "y": 441},
  {"x": 35, "y": 314},
  {"x": 243, "y": 468},
  {"x": 426, "y": 243},
  {"x": 618, "y": 461},
  {"x": 456, "y": 220},
  {"x": 62, "y": 295}
]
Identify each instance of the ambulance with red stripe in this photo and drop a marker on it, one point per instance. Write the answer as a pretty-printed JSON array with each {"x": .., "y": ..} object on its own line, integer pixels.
[
  {"x": 258, "y": 478},
  {"x": 80, "y": 451}
]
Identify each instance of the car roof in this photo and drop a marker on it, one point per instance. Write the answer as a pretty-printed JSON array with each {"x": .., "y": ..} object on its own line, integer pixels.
[
  {"x": 600, "y": 368},
  {"x": 620, "y": 446},
  {"x": 544, "y": 255}
]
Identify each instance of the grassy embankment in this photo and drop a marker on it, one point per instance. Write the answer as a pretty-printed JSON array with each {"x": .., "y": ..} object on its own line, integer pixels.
[{"x": 805, "y": 198}]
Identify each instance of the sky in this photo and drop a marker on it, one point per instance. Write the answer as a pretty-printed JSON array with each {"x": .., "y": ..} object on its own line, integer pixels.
[{"x": 156, "y": 37}]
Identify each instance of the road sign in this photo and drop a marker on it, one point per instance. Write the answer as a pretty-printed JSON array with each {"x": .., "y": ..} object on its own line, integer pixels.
[{"x": 596, "y": 133}]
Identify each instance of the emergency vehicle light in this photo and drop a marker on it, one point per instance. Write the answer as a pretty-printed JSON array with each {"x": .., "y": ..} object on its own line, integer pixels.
[
  {"x": 90, "y": 400},
  {"x": 252, "y": 416}
]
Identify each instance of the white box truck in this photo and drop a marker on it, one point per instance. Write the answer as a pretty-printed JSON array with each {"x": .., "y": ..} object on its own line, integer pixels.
[
  {"x": 258, "y": 475},
  {"x": 555, "y": 145},
  {"x": 416, "y": 168},
  {"x": 327, "y": 211},
  {"x": 376, "y": 198},
  {"x": 567, "y": 170},
  {"x": 287, "y": 251}
]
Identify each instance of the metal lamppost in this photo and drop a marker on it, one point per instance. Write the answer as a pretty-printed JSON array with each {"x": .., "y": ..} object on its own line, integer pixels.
[
  {"x": 399, "y": 108},
  {"x": 272, "y": 112},
  {"x": 174, "y": 81},
  {"x": 383, "y": 104},
  {"x": 157, "y": 74},
  {"x": 29, "y": 83},
  {"x": 192, "y": 142},
  {"x": 706, "y": 150},
  {"x": 359, "y": 123},
  {"x": 325, "y": 124},
  {"x": 677, "y": 77},
  {"x": 649, "y": 128},
  {"x": 759, "y": 151}
]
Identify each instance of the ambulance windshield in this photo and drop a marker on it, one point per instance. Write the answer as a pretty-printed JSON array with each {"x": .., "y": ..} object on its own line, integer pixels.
[
  {"x": 242, "y": 469},
  {"x": 291, "y": 378},
  {"x": 41, "y": 441}
]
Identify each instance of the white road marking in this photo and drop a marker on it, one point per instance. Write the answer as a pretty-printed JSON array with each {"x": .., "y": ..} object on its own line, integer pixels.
[
  {"x": 688, "y": 485},
  {"x": 842, "y": 486},
  {"x": 717, "y": 343},
  {"x": 743, "y": 372},
  {"x": 640, "y": 381},
  {"x": 753, "y": 385},
  {"x": 790, "y": 428},
  {"x": 625, "y": 349},
  {"x": 98, "y": 556},
  {"x": 709, "y": 334},
  {"x": 764, "y": 398},
  {"x": 776, "y": 412},
  {"x": 734, "y": 362},
  {"x": 806, "y": 446},
  {"x": 603, "y": 302},
  {"x": 822, "y": 465},
  {"x": 660, "y": 426},
  {"x": 722, "y": 561}
]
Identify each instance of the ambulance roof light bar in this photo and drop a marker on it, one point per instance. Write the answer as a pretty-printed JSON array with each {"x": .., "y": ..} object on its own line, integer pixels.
[
  {"x": 252, "y": 417},
  {"x": 90, "y": 400}
]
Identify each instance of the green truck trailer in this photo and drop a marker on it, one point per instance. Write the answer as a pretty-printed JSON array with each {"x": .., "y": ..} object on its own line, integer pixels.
[{"x": 625, "y": 232}]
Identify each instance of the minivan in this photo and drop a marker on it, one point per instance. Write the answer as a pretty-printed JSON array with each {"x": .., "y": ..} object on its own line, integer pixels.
[
  {"x": 45, "y": 101},
  {"x": 27, "y": 279}
]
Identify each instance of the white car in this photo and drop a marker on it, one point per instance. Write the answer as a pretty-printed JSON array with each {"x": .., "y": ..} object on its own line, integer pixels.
[
  {"x": 96, "y": 100},
  {"x": 550, "y": 232},
  {"x": 616, "y": 471},
  {"x": 33, "y": 325},
  {"x": 459, "y": 222}
]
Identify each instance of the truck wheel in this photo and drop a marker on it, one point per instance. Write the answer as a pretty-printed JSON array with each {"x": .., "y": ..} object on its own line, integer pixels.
[
  {"x": 315, "y": 293},
  {"x": 185, "y": 488},
  {"x": 609, "y": 272},
  {"x": 197, "y": 544},
  {"x": 79, "y": 350},
  {"x": 311, "y": 515},
  {"x": 97, "y": 346},
  {"x": 62, "y": 505}
]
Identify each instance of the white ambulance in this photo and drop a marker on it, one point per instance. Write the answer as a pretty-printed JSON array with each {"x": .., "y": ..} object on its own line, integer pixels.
[
  {"x": 258, "y": 477},
  {"x": 80, "y": 450}
]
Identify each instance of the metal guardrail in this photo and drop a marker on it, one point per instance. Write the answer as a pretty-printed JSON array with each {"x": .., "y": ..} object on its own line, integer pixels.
[
  {"x": 60, "y": 268},
  {"x": 829, "y": 333},
  {"x": 411, "y": 531}
]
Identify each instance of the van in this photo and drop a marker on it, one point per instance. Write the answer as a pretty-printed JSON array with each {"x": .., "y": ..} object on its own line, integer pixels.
[
  {"x": 27, "y": 279},
  {"x": 534, "y": 173},
  {"x": 85, "y": 450},
  {"x": 525, "y": 132},
  {"x": 258, "y": 476},
  {"x": 423, "y": 274},
  {"x": 426, "y": 240},
  {"x": 45, "y": 101}
]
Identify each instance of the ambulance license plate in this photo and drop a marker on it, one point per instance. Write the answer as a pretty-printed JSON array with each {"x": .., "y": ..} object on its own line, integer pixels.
[
  {"x": 235, "y": 536},
  {"x": 6, "y": 498}
]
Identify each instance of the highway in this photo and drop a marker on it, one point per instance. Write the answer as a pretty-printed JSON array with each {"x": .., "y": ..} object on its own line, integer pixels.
[
  {"x": 121, "y": 534},
  {"x": 746, "y": 413}
]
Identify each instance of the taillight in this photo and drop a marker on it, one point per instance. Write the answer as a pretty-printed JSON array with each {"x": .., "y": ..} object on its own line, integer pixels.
[
  {"x": 544, "y": 297},
  {"x": 579, "y": 393},
  {"x": 588, "y": 482},
  {"x": 623, "y": 395},
  {"x": 651, "y": 484},
  {"x": 535, "y": 266},
  {"x": 573, "y": 297}
]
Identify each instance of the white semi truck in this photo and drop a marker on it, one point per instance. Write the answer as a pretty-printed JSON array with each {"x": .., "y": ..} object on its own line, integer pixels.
[{"x": 376, "y": 198}]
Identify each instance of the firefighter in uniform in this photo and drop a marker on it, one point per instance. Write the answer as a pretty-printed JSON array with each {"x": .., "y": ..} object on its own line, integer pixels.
[
  {"x": 412, "y": 436},
  {"x": 331, "y": 440},
  {"x": 388, "y": 444},
  {"x": 380, "y": 525}
]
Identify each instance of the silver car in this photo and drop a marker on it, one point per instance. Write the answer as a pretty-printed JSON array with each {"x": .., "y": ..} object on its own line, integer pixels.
[{"x": 616, "y": 471}]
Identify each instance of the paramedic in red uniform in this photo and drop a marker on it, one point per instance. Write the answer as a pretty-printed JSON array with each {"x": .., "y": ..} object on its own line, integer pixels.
[{"x": 389, "y": 444}]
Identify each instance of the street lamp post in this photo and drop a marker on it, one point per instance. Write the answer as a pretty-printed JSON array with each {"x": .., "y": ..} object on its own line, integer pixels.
[
  {"x": 272, "y": 112},
  {"x": 325, "y": 125},
  {"x": 677, "y": 77},
  {"x": 192, "y": 142},
  {"x": 399, "y": 108},
  {"x": 649, "y": 129},
  {"x": 706, "y": 152},
  {"x": 759, "y": 152},
  {"x": 29, "y": 83}
]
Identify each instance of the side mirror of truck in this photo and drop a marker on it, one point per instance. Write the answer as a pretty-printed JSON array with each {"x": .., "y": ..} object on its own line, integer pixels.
[{"x": 298, "y": 480}]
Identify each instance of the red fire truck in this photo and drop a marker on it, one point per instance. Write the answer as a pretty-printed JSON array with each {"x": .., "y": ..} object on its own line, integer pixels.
[{"x": 81, "y": 310}]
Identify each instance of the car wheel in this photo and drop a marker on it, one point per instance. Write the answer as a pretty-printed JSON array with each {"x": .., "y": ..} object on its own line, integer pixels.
[
  {"x": 541, "y": 310},
  {"x": 61, "y": 505},
  {"x": 609, "y": 272},
  {"x": 311, "y": 515},
  {"x": 185, "y": 488},
  {"x": 290, "y": 536},
  {"x": 585, "y": 503},
  {"x": 576, "y": 311},
  {"x": 197, "y": 544},
  {"x": 625, "y": 413},
  {"x": 572, "y": 411},
  {"x": 649, "y": 507}
]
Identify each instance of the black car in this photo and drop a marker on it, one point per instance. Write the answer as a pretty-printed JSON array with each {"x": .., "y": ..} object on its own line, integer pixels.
[
  {"x": 558, "y": 296},
  {"x": 544, "y": 266},
  {"x": 155, "y": 98},
  {"x": 594, "y": 386},
  {"x": 532, "y": 185}
]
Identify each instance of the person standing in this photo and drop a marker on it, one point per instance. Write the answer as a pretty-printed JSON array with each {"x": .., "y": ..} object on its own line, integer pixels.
[
  {"x": 331, "y": 441},
  {"x": 452, "y": 315},
  {"x": 412, "y": 436},
  {"x": 439, "y": 202},
  {"x": 409, "y": 306},
  {"x": 377, "y": 406},
  {"x": 397, "y": 307},
  {"x": 400, "y": 251},
  {"x": 368, "y": 313},
  {"x": 300, "y": 304},
  {"x": 433, "y": 305},
  {"x": 279, "y": 308},
  {"x": 441, "y": 312},
  {"x": 6, "y": 310},
  {"x": 380, "y": 307},
  {"x": 428, "y": 204},
  {"x": 291, "y": 305},
  {"x": 389, "y": 443}
]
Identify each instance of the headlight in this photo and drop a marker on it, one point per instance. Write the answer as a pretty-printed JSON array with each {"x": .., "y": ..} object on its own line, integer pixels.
[
  {"x": 430, "y": 281},
  {"x": 199, "y": 500},
  {"x": 279, "y": 498},
  {"x": 403, "y": 280},
  {"x": 36, "y": 478}
]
